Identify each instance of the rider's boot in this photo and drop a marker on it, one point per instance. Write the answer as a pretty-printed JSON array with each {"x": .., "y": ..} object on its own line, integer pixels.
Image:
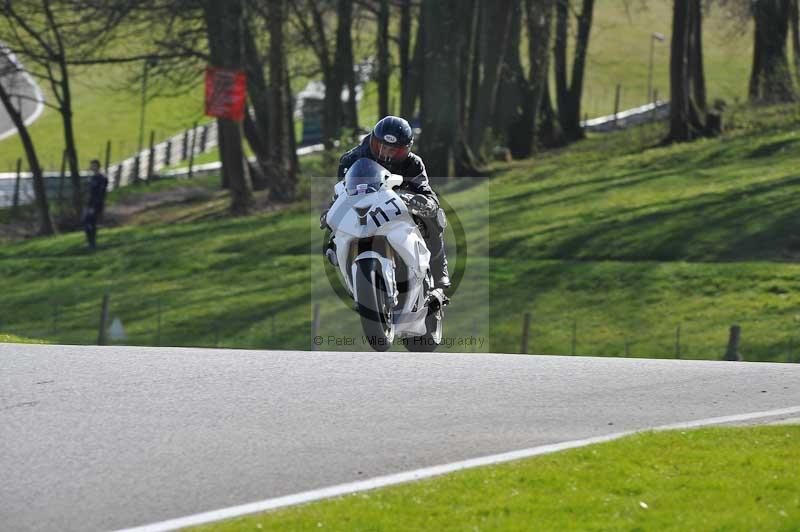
[{"x": 441, "y": 277}]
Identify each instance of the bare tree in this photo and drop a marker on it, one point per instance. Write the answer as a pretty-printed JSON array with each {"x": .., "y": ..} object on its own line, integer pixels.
[
  {"x": 771, "y": 77},
  {"x": 569, "y": 93},
  {"x": 444, "y": 142},
  {"x": 224, "y": 24},
  {"x": 795, "y": 27},
  {"x": 687, "y": 81},
  {"x": 337, "y": 67},
  {"x": 44, "y": 35},
  {"x": 538, "y": 23},
  {"x": 46, "y": 226},
  {"x": 283, "y": 181},
  {"x": 384, "y": 59},
  {"x": 495, "y": 26},
  {"x": 404, "y": 50}
]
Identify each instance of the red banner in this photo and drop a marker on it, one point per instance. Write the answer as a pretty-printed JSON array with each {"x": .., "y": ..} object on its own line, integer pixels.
[{"x": 226, "y": 90}]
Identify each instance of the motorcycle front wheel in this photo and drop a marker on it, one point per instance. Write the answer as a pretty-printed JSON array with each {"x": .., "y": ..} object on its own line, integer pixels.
[{"x": 374, "y": 305}]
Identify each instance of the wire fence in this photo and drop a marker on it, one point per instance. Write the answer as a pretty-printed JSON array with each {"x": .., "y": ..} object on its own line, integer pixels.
[
  {"x": 102, "y": 319},
  {"x": 776, "y": 340}
]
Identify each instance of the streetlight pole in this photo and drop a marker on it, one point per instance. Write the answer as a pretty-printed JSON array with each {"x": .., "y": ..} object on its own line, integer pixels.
[{"x": 655, "y": 36}]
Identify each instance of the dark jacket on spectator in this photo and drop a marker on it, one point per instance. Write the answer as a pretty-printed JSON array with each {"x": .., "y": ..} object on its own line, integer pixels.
[{"x": 97, "y": 192}]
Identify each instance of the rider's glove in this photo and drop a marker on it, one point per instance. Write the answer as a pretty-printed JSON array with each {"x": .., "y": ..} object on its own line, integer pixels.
[
  {"x": 423, "y": 205},
  {"x": 323, "y": 222}
]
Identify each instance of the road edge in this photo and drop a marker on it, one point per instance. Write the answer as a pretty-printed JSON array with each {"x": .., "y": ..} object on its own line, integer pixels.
[{"x": 435, "y": 471}]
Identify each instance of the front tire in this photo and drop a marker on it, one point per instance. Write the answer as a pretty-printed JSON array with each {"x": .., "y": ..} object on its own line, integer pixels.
[{"x": 374, "y": 306}]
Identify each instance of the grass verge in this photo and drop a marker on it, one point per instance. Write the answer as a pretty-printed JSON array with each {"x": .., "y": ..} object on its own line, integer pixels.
[
  {"x": 708, "y": 479},
  {"x": 13, "y": 339}
]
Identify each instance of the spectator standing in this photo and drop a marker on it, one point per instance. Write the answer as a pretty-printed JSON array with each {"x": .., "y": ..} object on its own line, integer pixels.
[{"x": 97, "y": 197}]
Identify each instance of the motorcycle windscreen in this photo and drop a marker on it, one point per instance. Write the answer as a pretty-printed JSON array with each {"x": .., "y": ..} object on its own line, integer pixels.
[{"x": 364, "y": 177}]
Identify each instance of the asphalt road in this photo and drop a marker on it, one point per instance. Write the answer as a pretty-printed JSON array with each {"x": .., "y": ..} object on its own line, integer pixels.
[
  {"x": 16, "y": 84},
  {"x": 104, "y": 438}
]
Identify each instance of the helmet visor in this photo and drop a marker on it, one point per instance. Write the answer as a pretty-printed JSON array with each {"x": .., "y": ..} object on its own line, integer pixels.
[{"x": 390, "y": 153}]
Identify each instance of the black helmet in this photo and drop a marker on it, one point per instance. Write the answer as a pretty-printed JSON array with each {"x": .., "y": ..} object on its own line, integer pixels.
[{"x": 391, "y": 140}]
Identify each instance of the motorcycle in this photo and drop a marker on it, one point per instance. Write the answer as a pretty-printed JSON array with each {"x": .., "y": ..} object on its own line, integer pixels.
[{"x": 383, "y": 261}]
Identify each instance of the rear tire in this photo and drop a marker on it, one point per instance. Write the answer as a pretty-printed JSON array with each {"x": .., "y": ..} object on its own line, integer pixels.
[{"x": 374, "y": 306}]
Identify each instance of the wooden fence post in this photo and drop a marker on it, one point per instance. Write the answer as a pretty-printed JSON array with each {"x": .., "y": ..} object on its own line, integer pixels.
[
  {"x": 732, "y": 352},
  {"x": 15, "y": 200},
  {"x": 574, "y": 337},
  {"x": 168, "y": 153},
  {"x": 655, "y": 105},
  {"x": 185, "y": 145},
  {"x": 152, "y": 156},
  {"x": 315, "y": 328},
  {"x": 108, "y": 156},
  {"x": 101, "y": 333},
  {"x": 61, "y": 178},
  {"x": 158, "y": 324},
  {"x": 616, "y": 103},
  {"x": 526, "y": 327},
  {"x": 135, "y": 172},
  {"x": 191, "y": 151},
  {"x": 203, "y": 138}
]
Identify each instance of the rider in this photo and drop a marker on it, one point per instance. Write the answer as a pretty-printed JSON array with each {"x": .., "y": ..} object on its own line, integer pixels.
[{"x": 389, "y": 144}]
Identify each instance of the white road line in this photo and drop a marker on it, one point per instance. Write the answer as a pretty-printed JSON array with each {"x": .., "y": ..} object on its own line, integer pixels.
[
  {"x": 37, "y": 93},
  {"x": 427, "y": 472}
]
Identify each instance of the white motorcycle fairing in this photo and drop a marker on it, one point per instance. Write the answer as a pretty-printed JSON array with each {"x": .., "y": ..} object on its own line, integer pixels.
[{"x": 383, "y": 214}]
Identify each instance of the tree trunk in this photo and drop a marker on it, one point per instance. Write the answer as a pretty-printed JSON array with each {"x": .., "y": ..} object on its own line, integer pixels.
[
  {"x": 474, "y": 62},
  {"x": 256, "y": 131},
  {"x": 46, "y": 226},
  {"x": 415, "y": 74},
  {"x": 696, "y": 70},
  {"x": 404, "y": 47},
  {"x": 332, "y": 104},
  {"x": 294, "y": 163},
  {"x": 549, "y": 134},
  {"x": 678, "y": 73},
  {"x": 439, "y": 107},
  {"x": 384, "y": 68},
  {"x": 538, "y": 23},
  {"x": 795, "y": 27},
  {"x": 282, "y": 182},
  {"x": 224, "y": 28},
  {"x": 71, "y": 150},
  {"x": 343, "y": 62},
  {"x": 687, "y": 86},
  {"x": 510, "y": 79},
  {"x": 569, "y": 94},
  {"x": 444, "y": 141},
  {"x": 496, "y": 26},
  {"x": 771, "y": 79}
]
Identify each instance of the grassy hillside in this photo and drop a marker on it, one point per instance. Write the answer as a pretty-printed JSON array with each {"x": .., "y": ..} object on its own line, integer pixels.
[
  {"x": 107, "y": 102},
  {"x": 614, "y": 249}
]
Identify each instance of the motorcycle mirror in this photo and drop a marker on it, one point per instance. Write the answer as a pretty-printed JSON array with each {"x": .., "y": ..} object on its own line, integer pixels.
[{"x": 394, "y": 180}]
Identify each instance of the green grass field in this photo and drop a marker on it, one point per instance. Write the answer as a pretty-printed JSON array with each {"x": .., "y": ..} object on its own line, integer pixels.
[
  {"x": 709, "y": 479},
  {"x": 614, "y": 250},
  {"x": 107, "y": 103},
  {"x": 13, "y": 339}
]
